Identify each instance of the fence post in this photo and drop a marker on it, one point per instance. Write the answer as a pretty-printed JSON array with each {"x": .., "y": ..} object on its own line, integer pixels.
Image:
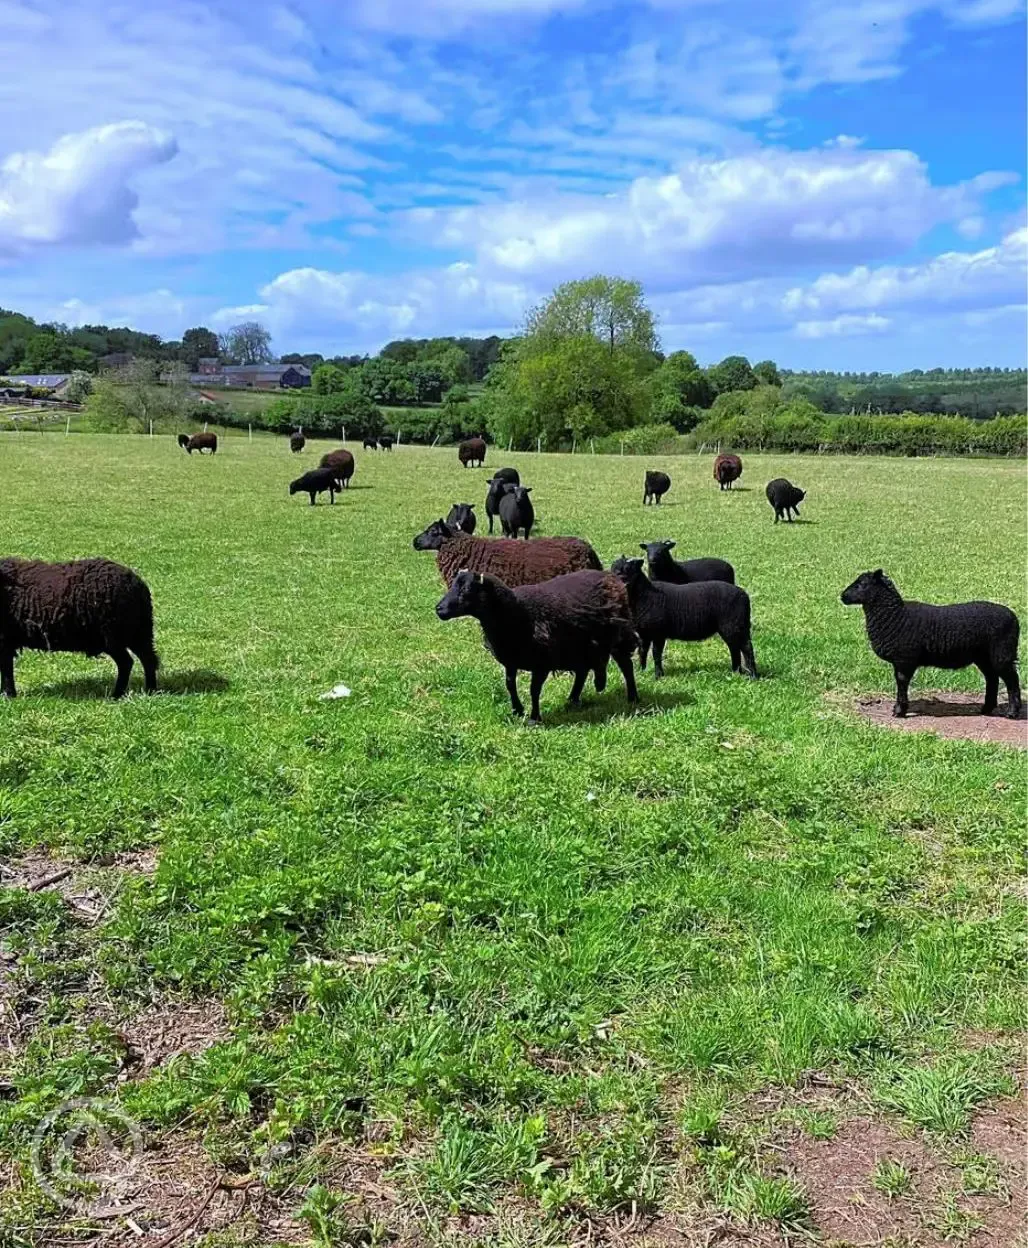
[
  {"x": 574, "y": 443},
  {"x": 539, "y": 445},
  {"x": 205, "y": 426},
  {"x": 435, "y": 439},
  {"x": 510, "y": 443},
  {"x": 249, "y": 433},
  {"x": 67, "y": 425},
  {"x": 399, "y": 435},
  {"x": 594, "y": 445},
  {"x": 344, "y": 433},
  {"x": 622, "y": 448},
  {"x": 151, "y": 428}
]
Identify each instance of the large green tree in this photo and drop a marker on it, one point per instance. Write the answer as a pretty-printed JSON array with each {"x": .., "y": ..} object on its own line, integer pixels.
[
  {"x": 199, "y": 343},
  {"x": 611, "y": 309},
  {"x": 680, "y": 389},
  {"x": 733, "y": 373}
]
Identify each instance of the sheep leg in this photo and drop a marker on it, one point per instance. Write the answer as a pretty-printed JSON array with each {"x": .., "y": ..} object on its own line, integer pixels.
[
  {"x": 332, "y": 497},
  {"x": 7, "y": 688},
  {"x": 600, "y": 674},
  {"x": 123, "y": 660},
  {"x": 512, "y": 688},
  {"x": 658, "y": 657},
  {"x": 991, "y": 689},
  {"x": 1009, "y": 674},
  {"x": 749, "y": 663},
  {"x": 903, "y": 678},
  {"x": 536, "y": 688},
  {"x": 624, "y": 662},
  {"x": 575, "y": 696},
  {"x": 148, "y": 658}
]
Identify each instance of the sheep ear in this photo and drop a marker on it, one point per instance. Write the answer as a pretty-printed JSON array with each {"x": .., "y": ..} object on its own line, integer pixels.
[
  {"x": 878, "y": 574},
  {"x": 642, "y": 545},
  {"x": 670, "y": 545}
]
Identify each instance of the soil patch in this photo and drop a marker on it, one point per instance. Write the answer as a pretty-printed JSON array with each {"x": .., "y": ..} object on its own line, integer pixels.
[{"x": 955, "y": 716}]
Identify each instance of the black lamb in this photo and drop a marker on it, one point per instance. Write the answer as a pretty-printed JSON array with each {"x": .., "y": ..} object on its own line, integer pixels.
[
  {"x": 386, "y": 442},
  {"x": 516, "y": 511},
  {"x": 655, "y": 487},
  {"x": 573, "y": 623},
  {"x": 785, "y": 498},
  {"x": 462, "y": 516},
  {"x": 910, "y": 635},
  {"x": 297, "y": 442},
  {"x": 684, "y": 571},
  {"x": 663, "y": 613},
  {"x": 371, "y": 444},
  {"x": 91, "y": 606},
  {"x": 316, "y": 482},
  {"x": 497, "y": 488}
]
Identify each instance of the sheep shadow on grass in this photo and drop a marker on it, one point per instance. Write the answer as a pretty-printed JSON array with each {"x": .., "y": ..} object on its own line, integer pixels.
[
  {"x": 599, "y": 708},
  {"x": 173, "y": 684}
]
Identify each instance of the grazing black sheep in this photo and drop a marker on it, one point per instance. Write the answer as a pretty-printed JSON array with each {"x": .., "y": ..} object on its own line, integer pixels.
[
  {"x": 910, "y": 635},
  {"x": 316, "y": 482},
  {"x": 462, "y": 516},
  {"x": 472, "y": 452},
  {"x": 91, "y": 606},
  {"x": 341, "y": 462},
  {"x": 784, "y": 497},
  {"x": 665, "y": 613},
  {"x": 198, "y": 442},
  {"x": 386, "y": 442},
  {"x": 496, "y": 491},
  {"x": 513, "y": 562},
  {"x": 297, "y": 442},
  {"x": 371, "y": 444},
  {"x": 573, "y": 623},
  {"x": 516, "y": 511},
  {"x": 684, "y": 571},
  {"x": 727, "y": 468},
  {"x": 655, "y": 487}
]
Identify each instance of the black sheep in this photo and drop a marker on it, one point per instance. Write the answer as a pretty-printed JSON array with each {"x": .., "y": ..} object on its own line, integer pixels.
[
  {"x": 784, "y": 497},
  {"x": 472, "y": 452},
  {"x": 727, "y": 468},
  {"x": 198, "y": 442},
  {"x": 663, "y": 613},
  {"x": 910, "y": 635},
  {"x": 462, "y": 516},
  {"x": 572, "y": 623},
  {"x": 386, "y": 442},
  {"x": 497, "y": 488},
  {"x": 297, "y": 442},
  {"x": 91, "y": 606},
  {"x": 510, "y": 475},
  {"x": 655, "y": 487},
  {"x": 684, "y": 571},
  {"x": 315, "y": 482},
  {"x": 342, "y": 464},
  {"x": 371, "y": 444},
  {"x": 516, "y": 511}
]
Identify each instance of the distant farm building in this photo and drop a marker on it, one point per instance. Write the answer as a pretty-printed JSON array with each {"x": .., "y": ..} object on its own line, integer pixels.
[
  {"x": 251, "y": 376},
  {"x": 54, "y": 382}
]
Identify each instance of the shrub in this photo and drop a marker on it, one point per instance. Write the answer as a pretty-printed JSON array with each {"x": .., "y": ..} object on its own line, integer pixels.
[{"x": 642, "y": 440}]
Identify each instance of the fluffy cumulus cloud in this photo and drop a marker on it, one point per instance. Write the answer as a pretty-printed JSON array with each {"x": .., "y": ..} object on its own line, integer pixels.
[
  {"x": 81, "y": 191},
  {"x": 764, "y": 211}
]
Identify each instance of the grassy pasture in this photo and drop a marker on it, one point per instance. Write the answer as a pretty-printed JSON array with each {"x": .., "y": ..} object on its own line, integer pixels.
[{"x": 534, "y": 974}]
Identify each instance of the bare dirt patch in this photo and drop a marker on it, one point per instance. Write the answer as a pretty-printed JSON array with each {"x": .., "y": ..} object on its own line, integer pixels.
[{"x": 955, "y": 716}]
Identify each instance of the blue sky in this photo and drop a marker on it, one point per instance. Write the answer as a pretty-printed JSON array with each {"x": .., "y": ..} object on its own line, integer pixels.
[{"x": 832, "y": 183}]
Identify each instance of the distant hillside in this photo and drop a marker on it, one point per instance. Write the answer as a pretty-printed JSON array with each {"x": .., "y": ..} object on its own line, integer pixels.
[{"x": 975, "y": 392}]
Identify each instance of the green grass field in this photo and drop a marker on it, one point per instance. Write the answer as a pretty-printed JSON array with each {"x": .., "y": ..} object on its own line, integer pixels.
[{"x": 487, "y": 983}]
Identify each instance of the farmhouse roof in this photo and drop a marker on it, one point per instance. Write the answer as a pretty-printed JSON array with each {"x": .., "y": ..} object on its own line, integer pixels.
[{"x": 48, "y": 381}]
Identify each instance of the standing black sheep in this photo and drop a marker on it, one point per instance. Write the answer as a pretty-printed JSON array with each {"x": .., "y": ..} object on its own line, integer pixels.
[
  {"x": 386, "y": 442},
  {"x": 665, "y": 613},
  {"x": 910, "y": 635},
  {"x": 785, "y": 498},
  {"x": 198, "y": 442},
  {"x": 297, "y": 442},
  {"x": 316, "y": 482},
  {"x": 462, "y": 516},
  {"x": 516, "y": 511},
  {"x": 684, "y": 571},
  {"x": 655, "y": 487},
  {"x": 727, "y": 468},
  {"x": 91, "y": 606},
  {"x": 573, "y": 623},
  {"x": 371, "y": 444},
  {"x": 341, "y": 463},
  {"x": 472, "y": 452},
  {"x": 510, "y": 475},
  {"x": 497, "y": 488}
]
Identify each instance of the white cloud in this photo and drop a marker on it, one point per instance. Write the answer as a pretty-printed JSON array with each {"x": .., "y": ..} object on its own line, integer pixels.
[
  {"x": 80, "y": 191},
  {"x": 759, "y": 212},
  {"x": 843, "y": 326}
]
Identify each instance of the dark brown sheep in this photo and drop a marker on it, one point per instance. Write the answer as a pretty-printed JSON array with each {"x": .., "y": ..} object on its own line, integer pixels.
[
  {"x": 91, "y": 606},
  {"x": 727, "y": 468},
  {"x": 573, "y": 623},
  {"x": 511, "y": 561},
  {"x": 198, "y": 442},
  {"x": 342, "y": 462},
  {"x": 472, "y": 452}
]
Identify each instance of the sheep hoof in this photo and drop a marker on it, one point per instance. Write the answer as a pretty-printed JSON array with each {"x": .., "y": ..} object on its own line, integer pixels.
[
  {"x": 1013, "y": 712},
  {"x": 899, "y": 712}
]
